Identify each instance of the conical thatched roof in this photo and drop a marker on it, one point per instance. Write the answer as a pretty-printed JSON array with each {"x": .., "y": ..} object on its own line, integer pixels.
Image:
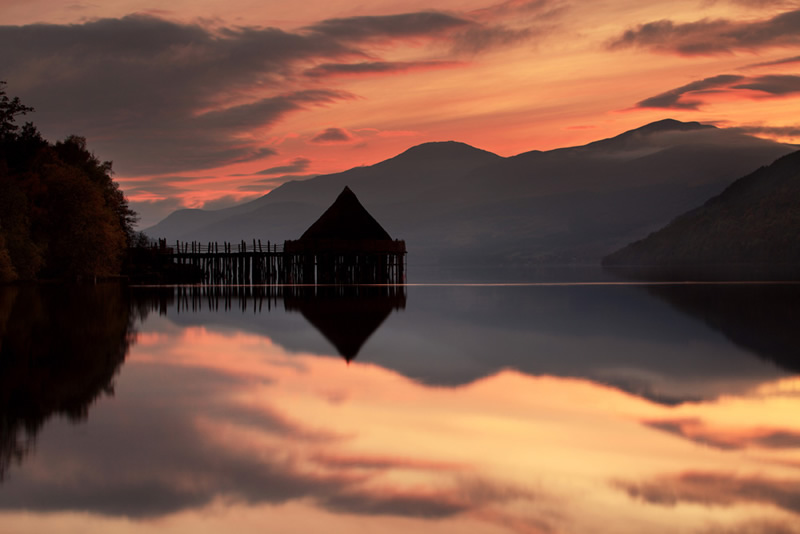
[{"x": 346, "y": 219}]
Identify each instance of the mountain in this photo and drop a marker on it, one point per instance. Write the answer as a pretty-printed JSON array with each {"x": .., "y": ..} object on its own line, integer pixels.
[
  {"x": 454, "y": 204},
  {"x": 754, "y": 221}
]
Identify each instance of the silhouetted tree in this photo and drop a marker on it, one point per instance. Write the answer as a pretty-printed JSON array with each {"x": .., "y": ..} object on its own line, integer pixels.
[
  {"x": 61, "y": 213},
  {"x": 10, "y": 108}
]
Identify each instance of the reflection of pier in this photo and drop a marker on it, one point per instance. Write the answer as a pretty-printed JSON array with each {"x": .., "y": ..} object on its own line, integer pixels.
[{"x": 345, "y": 315}]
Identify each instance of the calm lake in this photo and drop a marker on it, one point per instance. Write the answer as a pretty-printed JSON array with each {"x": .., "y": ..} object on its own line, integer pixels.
[{"x": 526, "y": 408}]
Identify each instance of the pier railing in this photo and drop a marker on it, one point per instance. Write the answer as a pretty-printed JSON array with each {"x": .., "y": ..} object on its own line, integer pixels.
[{"x": 257, "y": 262}]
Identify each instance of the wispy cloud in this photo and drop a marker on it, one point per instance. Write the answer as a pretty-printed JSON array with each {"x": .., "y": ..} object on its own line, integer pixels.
[
  {"x": 674, "y": 98},
  {"x": 333, "y": 135},
  {"x": 159, "y": 96},
  {"x": 690, "y": 96},
  {"x": 783, "y": 61},
  {"x": 297, "y": 165},
  {"x": 706, "y": 37},
  {"x": 376, "y": 67}
]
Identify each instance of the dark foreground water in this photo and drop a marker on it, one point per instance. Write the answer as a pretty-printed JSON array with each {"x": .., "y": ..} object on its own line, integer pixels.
[{"x": 513, "y": 408}]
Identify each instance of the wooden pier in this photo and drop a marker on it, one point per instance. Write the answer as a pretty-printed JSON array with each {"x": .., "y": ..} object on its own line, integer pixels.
[
  {"x": 232, "y": 263},
  {"x": 345, "y": 246},
  {"x": 258, "y": 263}
]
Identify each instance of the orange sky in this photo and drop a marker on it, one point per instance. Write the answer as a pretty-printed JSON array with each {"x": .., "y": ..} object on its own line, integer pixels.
[{"x": 207, "y": 103}]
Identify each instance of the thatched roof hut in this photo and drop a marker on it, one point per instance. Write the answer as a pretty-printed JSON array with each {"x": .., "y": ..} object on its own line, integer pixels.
[{"x": 346, "y": 245}]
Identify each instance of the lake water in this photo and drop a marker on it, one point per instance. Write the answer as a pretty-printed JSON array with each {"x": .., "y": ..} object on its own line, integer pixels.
[{"x": 567, "y": 408}]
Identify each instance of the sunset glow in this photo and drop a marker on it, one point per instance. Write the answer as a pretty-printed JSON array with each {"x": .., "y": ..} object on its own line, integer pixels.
[{"x": 205, "y": 104}]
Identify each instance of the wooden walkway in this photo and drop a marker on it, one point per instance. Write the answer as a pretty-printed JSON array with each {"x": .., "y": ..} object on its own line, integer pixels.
[
  {"x": 268, "y": 263},
  {"x": 232, "y": 264}
]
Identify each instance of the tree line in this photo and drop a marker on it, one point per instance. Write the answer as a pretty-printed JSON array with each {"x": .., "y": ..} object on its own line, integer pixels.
[{"x": 62, "y": 216}]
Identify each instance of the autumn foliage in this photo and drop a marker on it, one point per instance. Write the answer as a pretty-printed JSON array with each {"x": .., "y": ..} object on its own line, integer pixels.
[{"x": 61, "y": 214}]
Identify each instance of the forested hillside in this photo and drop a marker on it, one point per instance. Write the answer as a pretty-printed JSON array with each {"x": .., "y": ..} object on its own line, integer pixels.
[
  {"x": 756, "y": 220},
  {"x": 61, "y": 214}
]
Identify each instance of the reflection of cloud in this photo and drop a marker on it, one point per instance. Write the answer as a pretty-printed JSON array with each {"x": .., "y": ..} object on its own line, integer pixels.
[
  {"x": 384, "y": 462},
  {"x": 712, "y": 36},
  {"x": 696, "y": 430},
  {"x": 756, "y": 526},
  {"x": 716, "y": 489},
  {"x": 160, "y": 476},
  {"x": 421, "y": 504},
  {"x": 191, "y": 433}
]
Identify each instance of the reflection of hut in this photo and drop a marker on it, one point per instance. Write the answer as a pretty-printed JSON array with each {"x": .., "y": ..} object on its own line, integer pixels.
[
  {"x": 346, "y": 245},
  {"x": 345, "y": 315}
]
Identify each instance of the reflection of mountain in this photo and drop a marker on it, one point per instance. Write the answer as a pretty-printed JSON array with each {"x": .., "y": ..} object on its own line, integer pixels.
[
  {"x": 759, "y": 318},
  {"x": 346, "y": 315},
  {"x": 60, "y": 348},
  {"x": 454, "y": 335}
]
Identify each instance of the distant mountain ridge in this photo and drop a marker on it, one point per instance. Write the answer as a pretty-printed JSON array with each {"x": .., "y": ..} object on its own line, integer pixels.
[
  {"x": 755, "y": 220},
  {"x": 455, "y": 204}
]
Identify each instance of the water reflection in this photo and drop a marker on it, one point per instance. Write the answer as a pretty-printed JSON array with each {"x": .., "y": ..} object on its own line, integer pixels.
[
  {"x": 761, "y": 318},
  {"x": 488, "y": 409},
  {"x": 346, "y": 315},
  {"x": 60, "y": 349}
]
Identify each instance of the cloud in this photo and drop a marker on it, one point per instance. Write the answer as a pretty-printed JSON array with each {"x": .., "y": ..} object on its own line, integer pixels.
[
  {"x": 479, "y": 39},
  {"x": 772, "y": 85},
  {"x": 375, "y": 67},
  {"x": 226, "y": 201},
  {"x": 386, "y": 27},
  {"x": 296, "y": 166},
  {"x": 773, "y": 131},
  {"x": 466, "y": 35},
  {"x": 784, "y": 61},
  {"x": 158, "y": 96},
  {"x": 672, "y": 99},
  {"x": 262, "y": 186},
  {"x": 541, "y": 9},
  {"x": 707, "y": 37},
  {"x": 333, "y": 135}
]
